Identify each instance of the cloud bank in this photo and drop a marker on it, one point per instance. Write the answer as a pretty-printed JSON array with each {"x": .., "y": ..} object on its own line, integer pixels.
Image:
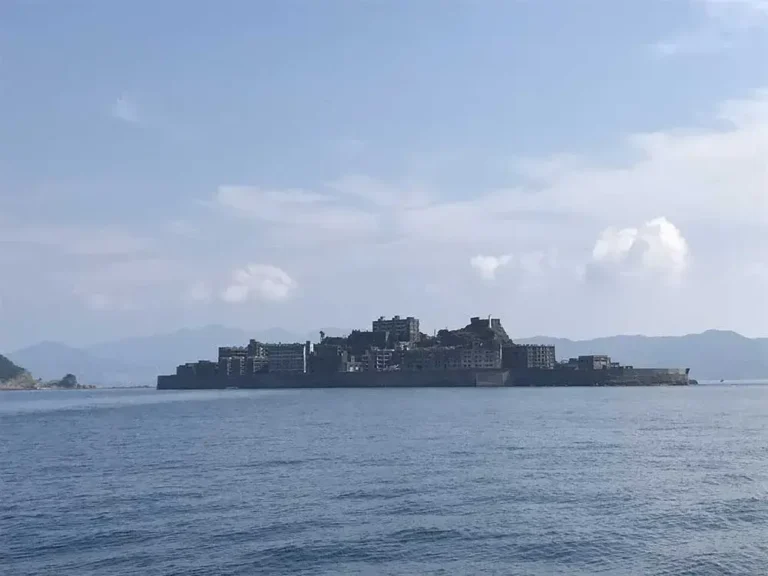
[
  {"x": 657, "y": 247},
  {"x": 487, "y": 266},
  {"x": 259, "y": 282},
  {"x": 684, "y": 209}
]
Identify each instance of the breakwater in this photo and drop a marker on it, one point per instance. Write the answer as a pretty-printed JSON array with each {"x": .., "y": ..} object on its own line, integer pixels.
[{"x": 435, "y": 379}]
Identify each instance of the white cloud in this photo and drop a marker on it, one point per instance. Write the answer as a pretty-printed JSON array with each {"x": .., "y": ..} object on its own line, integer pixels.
[
  {"x": 125, "y": 109},
  {"x": 259, "y": 282},
  {"x": 197, "y": 292},
  {"x": 487, "y": 266},
  {"x": 529, "y": 270},
  {"x": 717, "y": 174},
  {"x": 657, "y": 247}
]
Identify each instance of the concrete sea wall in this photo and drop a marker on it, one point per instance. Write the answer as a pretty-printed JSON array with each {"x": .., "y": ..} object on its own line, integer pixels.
[
  {"x": 615, "y": 377},
  {"x": 443, "y": 379},
  {"x": 438, "y": 379}
]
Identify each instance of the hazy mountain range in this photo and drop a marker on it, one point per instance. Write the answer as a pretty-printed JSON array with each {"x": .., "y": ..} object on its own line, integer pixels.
[{"x": 713, "y": 354}]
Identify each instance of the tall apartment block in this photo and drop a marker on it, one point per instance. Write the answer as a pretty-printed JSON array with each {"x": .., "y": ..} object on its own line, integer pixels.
[{"x": 402, "y": 329}]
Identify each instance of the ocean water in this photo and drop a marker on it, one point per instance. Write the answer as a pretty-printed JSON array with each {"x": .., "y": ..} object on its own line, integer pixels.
[{"x": 494, "y": 481}]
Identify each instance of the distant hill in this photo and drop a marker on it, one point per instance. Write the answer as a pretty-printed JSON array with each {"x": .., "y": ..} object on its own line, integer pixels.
[
  {"x": 9, "y": 370},
  {"x": 49, "y": 360},
  {"x": 164, "y": 352},
  {"x": 711, "y": 355}
]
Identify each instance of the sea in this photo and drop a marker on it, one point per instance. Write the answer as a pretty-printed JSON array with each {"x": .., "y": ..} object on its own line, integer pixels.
[{"x": 647, "y": 481}]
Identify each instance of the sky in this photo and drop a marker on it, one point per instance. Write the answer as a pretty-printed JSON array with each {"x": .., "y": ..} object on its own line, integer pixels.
[{"x": 577, "y": 169}]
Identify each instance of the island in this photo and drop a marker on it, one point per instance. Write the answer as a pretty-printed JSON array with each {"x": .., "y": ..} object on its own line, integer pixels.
[
  {"x": 13, "y": 377},
  {"x": 395, "y": 353}
]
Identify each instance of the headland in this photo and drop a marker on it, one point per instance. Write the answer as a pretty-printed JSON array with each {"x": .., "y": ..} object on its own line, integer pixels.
[{"x": 395, "y": 353}]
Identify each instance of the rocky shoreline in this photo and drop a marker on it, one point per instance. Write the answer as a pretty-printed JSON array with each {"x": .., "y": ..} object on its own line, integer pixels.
[
  {"x": 6, "y": 387},
  {"x": 25, "y": 381}
]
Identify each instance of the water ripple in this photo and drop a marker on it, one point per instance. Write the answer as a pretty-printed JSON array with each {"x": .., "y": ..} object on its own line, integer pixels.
[{"x": 621, "y": 482}]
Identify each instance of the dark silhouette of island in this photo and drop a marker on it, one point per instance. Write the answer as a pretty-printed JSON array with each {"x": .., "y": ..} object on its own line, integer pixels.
[
  {"x": 711, "y": 355},
  {"x": 9, "y": 370}
]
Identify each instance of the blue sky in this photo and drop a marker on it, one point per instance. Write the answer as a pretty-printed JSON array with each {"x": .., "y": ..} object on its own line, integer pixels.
[{"x": 309, "y": 164}]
